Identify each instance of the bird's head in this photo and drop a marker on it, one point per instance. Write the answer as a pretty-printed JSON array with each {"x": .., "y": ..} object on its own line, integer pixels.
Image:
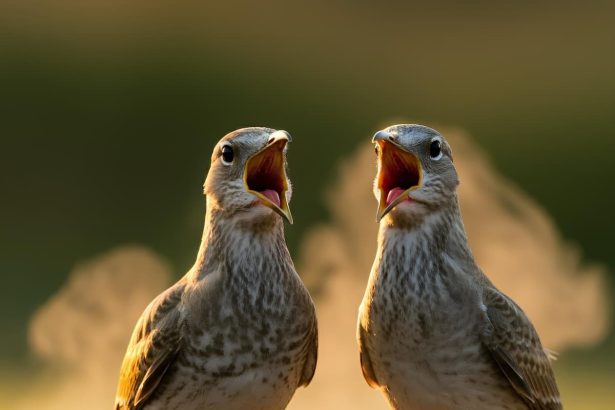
[
  {"x": 416, "y": 175},
  {"x": 247, "y": 176}
]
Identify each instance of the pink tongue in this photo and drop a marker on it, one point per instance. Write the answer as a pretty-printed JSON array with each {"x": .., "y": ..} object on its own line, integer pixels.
[
  {"x": 393, "y": 194},
  {"x": 271, "y": 195}
]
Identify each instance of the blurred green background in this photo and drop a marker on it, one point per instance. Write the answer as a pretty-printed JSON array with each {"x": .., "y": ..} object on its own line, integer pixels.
[{"x": 109, "y": 111}]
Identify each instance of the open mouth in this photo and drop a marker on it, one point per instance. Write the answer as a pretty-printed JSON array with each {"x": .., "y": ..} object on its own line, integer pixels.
[
  {"x": 265, "y": 177},
  {"x": 399, "y": 172}
]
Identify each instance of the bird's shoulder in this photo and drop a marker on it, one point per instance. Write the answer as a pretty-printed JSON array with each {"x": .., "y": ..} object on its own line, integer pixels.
[
  {"x": 515, "y": 346},
  {"x": 152, "y": 348}
]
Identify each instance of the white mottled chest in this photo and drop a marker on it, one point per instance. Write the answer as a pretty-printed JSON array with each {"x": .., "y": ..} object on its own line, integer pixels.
[
  {"x": 254, "y": 389},
  {"x": 423, "y": 334}
]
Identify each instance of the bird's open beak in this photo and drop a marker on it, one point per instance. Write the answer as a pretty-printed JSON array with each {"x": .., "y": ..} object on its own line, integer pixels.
[
  {"x": 399, "y": 173},
  {"x": 265, "y": 175}
]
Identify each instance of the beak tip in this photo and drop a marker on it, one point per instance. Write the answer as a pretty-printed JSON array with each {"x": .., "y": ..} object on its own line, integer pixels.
[
  {"x": 287, "y": 215},
  {"x": 280, "y": 135},
  {"x": 381, "y": 136}
]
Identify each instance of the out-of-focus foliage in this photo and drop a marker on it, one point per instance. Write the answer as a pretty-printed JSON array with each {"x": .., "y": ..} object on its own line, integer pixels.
[{"x": 109, "y": 111}]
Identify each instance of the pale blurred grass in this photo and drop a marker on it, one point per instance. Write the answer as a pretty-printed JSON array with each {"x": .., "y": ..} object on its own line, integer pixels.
[{"x": 584, "y": 390}]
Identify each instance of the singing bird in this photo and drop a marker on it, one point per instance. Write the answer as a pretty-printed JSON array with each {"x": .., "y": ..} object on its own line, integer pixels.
[
  {"x": 238, "y": 331},
  {"x": 433, "y": 331}
]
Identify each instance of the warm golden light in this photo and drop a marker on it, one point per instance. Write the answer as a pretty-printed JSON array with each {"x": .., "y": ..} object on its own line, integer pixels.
[{"x": 81, "y": 333}]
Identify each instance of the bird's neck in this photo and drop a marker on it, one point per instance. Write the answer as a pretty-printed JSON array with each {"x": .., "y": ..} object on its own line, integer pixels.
[
  {"x": 422, "y": 245},
  {"x": 231, "y": 243},
  {"x": 426, "y": 271}
]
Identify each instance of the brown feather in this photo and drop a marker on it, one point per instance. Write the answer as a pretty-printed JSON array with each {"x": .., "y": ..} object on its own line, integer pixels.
[
  {"x": 515, "y": 346},
  {"x": 151, "y": 351},
  {"x": 311, "y": 357}
]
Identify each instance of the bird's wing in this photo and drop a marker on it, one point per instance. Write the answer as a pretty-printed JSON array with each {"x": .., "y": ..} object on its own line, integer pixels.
[
  {"x": 366, "y": 362},
  {"x": 515, "y": 347},
  {"x": 311, "y": 357},
  {"x": 152, "y": 349}
]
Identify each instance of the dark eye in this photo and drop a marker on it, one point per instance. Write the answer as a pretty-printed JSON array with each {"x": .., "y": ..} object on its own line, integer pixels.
[
  {"x": 227, "y": 154},
  {"x": 376, "y": 149},
  {"x": 435, "y": 149}
]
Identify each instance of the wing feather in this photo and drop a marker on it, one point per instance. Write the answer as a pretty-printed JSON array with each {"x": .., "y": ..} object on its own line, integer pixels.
[
  {"x": 516, "y": 348},
  {"x": 152, "y": 349},
  {"x": 312, "y": 357}
]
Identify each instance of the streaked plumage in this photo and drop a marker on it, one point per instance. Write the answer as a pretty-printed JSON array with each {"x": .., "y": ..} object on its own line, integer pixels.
[
  {"x": 434, "y": 333},
  {"x": 238, "y": 331}
]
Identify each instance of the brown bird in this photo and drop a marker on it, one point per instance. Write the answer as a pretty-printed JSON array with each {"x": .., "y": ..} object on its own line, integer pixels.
[
  {"x": 434, "y": 333},
  {"x": 238, "y": 331}
]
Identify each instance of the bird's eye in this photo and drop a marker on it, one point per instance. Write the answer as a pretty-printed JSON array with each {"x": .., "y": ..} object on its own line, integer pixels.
[
  {"x": 227, "y": 155},
  {"x": 435, "y": 149},
  {"x": 376, "y": 149}
]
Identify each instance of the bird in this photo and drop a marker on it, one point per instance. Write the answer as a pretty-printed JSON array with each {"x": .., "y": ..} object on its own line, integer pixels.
[
  {"x": 238, "y": 331},
  {"x": 433, "y": 330}
]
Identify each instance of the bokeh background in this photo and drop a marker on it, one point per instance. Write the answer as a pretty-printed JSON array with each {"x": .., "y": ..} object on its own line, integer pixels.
[{"x": 109, "y": 111}]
